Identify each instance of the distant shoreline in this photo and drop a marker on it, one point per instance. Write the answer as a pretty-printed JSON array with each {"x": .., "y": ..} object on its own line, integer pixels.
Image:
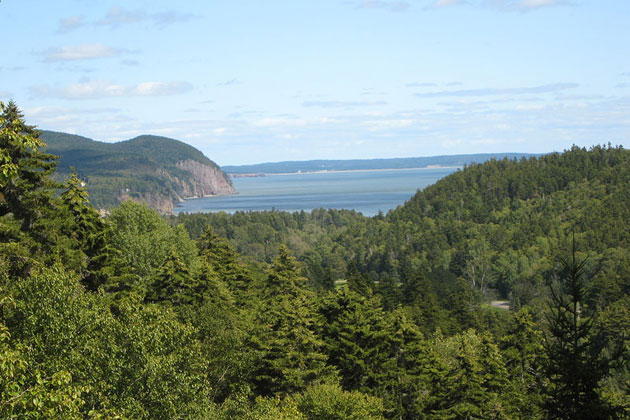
[{"x": 328, "y": 171}]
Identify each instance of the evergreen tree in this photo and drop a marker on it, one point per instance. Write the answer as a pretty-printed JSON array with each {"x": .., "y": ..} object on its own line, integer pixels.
[
  {"x": 222, "y": 259},
  {"x": 290, "y": 354},
  {"x": 25, "y": 183},
  {"x": 469, "y": 379},
  {"x": 422, "y": 302},
  {"x": 86, "y": 228},
  {"x": 356, "y": 282},
  {"x": 173, "y": 283},
  {"x": 575, "y": 363}
]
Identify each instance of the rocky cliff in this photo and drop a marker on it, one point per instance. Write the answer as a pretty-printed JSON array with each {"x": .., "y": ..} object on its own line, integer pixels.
[{"x": 206, "y": 180}]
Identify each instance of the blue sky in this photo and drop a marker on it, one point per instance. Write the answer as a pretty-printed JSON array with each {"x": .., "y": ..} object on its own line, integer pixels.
[{"x": 249, "y": 81}]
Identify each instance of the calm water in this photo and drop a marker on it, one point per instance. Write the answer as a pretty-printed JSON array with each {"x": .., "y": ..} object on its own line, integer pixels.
[{"x": 364, "y": 191}]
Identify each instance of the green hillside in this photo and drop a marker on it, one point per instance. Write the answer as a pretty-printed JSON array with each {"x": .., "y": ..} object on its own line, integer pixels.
[{"x": 144, "y": 168}]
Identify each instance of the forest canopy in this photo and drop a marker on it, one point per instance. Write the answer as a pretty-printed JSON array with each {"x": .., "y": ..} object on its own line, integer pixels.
[{"x": 320, "y": 315}]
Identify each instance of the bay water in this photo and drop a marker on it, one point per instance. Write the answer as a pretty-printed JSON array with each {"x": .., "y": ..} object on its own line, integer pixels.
[{"x": 366, "y": 191}]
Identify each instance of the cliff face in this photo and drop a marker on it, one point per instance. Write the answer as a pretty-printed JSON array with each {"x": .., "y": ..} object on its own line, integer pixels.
[
  {"x": 206, "y": 180},
  {"x": 203, "y": 181}
]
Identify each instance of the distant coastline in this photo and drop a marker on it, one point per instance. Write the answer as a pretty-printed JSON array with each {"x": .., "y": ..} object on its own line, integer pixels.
[
  {"x": 326, "y": 166},
  {"x": 329, "y": 171}
]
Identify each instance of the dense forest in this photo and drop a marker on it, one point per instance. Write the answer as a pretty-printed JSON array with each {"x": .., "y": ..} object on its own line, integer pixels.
[{"x": 321, "y": 315}]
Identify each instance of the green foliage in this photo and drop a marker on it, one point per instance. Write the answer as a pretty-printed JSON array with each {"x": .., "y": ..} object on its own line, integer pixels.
[
  {"x": 290, "y": 354},
  {"x": 471, "y": 381},
  {"x": 261, "y": 409},
  {"x": 220, "y": 257},
  {"x": 356, "y": 282},
  {"x": 575, "y": 364},
  {"x": 376, "y": 352},
  {"x": 330, "y": 402},
  {"x": 173, "y": 283},
  {"x": 24, "y": 169},
  {"x": 28, "y": 393},
  {"x": 144, "y": 241}
]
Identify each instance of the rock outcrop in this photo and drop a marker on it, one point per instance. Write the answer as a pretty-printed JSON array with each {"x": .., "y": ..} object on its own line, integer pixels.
[
  {"x": 201, "y": 180},
  {"x": 206, "y": 180}
]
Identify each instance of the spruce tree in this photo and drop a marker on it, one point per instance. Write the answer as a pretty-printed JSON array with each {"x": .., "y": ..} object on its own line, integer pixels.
[
  {"x": 575, "y": 363},
  {"x": 219, "y": 255},
  {"x": 356, "y": 282},
  {"x": 290, "y": 354},
  {"x": 25, "y": 183},
  {"x": 173, "y": 283},
  {"x": 85, "y": 226}
]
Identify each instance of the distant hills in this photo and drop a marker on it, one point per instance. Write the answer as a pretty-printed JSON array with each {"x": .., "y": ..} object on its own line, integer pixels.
[
  {"x": 366, "y": 164},
  {"x": 157, "y": 170}
]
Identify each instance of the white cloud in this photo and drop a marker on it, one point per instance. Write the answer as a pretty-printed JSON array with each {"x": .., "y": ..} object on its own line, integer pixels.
[
  {"x": 534, "y": 4},
  {"x": 70, "y": 24},
  {"x": 49, "y": 111},
  {"x": 394, "y": 6},
  {"x": 554, "y": 87},
  {"x": 11, "y": 68},
  {"x": 341, "y": 104},
  {"x": 81, "y": 52},
  {"x": 444, "y": 3},
  {"x": 118, "y": 16},
  {"x": 103, "y": 89},
  {"x": 230, "y": 82},
  {"x": 385, "y": 124},
  {"x": 519, "y": 5},
  {"x": 421, "y": 84},
  {"x": 280, "y": 122}
]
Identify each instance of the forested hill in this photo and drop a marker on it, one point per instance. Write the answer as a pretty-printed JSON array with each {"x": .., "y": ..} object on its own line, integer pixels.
[
  {"x": 157, "y": 170},
  {"x": 367, "y": 164},
  {"x": 502, "y": 230},
  {"x": 321, "y": 315}
]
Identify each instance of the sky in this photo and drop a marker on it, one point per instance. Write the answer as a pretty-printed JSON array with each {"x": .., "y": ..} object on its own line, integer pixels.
[{"x": 249, "y": 81}]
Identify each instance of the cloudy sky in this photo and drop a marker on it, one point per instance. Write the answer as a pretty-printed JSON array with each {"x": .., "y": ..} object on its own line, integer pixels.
[{"x": 249, "y": 81}]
